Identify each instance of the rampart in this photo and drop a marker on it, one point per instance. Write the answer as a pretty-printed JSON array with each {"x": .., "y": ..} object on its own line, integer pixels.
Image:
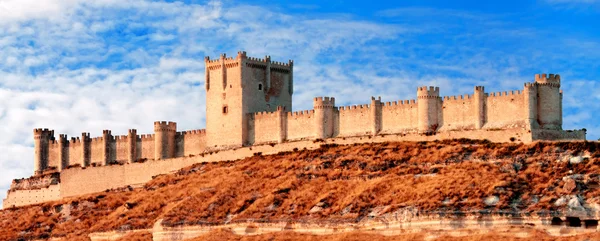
[{"x": 251, "y": 111}]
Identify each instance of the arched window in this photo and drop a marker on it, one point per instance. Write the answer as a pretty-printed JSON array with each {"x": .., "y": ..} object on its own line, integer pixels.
[
  {"x": 259, "y": 86},
  {"x": 224, "y": 109}
]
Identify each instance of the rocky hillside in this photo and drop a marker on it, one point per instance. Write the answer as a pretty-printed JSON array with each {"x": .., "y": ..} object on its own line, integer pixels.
[{"x": 335, "y": 184}]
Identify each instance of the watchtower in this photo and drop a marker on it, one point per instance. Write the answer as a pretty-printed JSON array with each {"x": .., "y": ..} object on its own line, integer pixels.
[
  {"x": 41, "y": 140},
  {"x": 549, "y": 104},
  {"x": 238, "y": 86},
  {"x": 323, "y": 107},
  {"x": 428, "y": 108},
  {"x": 164, "y": 139}
]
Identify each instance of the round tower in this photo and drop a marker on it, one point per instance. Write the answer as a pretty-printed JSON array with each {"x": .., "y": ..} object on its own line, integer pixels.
[
  {"x": 323, "y": 107},
  {"x": 164, "y": 139},
  {"x": 41, "y": 138},
  {"x": 63, "y": 152},
  {"x": 549, "y": 101},
  {"x": 427, "y": 108},
  {"x": 107, "y": 138},
  {"x": 131, "y": 146},
  {"x": 86, "y": 149},
  {"x": 479, "y": 97},
  {"x": 531, "y": 105}
]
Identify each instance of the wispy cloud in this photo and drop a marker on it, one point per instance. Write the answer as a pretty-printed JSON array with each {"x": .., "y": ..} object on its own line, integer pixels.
[{"x": 79, "y": 66}]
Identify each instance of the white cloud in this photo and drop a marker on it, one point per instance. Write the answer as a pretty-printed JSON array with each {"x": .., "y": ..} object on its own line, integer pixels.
[{"x": 77, "y": 66}]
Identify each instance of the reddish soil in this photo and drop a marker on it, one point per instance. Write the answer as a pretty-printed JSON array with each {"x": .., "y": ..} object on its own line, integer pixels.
[{"x": 345, "y": 182}]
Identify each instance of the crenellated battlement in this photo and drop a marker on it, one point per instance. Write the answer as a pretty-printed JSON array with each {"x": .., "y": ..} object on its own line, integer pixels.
[
  {"x": 547, "y": 78},
  {"x": 146, "y": 137},
  {"x": 400, "y": 103},
  {"x": 165, "y": 126},
  {"x": 97, "y": 139},
  {"x": 354, "y": 107},
  {"x": 323, "y": 102},
  {"x": 301, "y": 113},
  {"x": 465, "y": 97},
  {"x": 508, "y": 94},
  {"x": 192, "y": 132},
  {"x": 45, "y": 133},
  {"x": 430, "y": 92}
]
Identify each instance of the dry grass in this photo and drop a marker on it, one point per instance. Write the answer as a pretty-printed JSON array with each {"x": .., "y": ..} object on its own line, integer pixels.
[
  {"x": 347, "y": 182},
  {"x": 138, "y": 236},
  {"x": 533, "y": 235}
]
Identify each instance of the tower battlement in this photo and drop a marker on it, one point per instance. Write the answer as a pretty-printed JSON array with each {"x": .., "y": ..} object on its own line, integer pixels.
[
  {"x": 425, "y": 92},
  {"x": 165, "y": 126},
  {"x": 547, "y": 78},
  {"x": 323, "y": 102}
]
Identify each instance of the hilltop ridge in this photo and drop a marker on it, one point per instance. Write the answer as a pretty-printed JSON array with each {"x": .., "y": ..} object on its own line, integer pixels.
[{"x": 340, "y": 184}]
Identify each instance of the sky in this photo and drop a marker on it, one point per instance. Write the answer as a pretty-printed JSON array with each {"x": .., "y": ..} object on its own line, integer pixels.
[{"x": 83, "y": 66}]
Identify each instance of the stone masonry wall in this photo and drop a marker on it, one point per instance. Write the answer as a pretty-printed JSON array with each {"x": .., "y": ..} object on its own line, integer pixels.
[
  {"x": 53, "y": 154},
  {"x": 264, "y": 127},
  {"x": 75, "y": 152},
  {"x": 25, "y": 197},
  {"x": 300, "y": 124},
  {"x": 355, "y": 120},
  {"x": 121, "y": 148},
  {"x": 79, "y": 181},
  {"x": 145, "y": 147},
  {"x": 191, "y": 142},
  {"x": 458, "y": 113},
  {"x": 505, "y": 110},
  {"x": 97, "y": 150},
  {"x": 399, "y": 117}
]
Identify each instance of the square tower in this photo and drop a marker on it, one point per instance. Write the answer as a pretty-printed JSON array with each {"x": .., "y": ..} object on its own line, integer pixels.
[{"x": 236, "y": 87}]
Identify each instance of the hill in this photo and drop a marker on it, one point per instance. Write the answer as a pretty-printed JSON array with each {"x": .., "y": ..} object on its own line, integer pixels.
[{"x": 335, "y": 184}]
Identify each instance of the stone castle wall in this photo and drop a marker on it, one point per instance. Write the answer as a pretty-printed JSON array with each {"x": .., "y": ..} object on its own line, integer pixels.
[
  {"x": 430, "y": 113},
  {"x": 249, "y": 103},
  {"x": 399, "y": 117},
  {"x": 79, "y": 181}
]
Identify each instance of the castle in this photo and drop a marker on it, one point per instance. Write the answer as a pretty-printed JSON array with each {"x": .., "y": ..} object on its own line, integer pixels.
[{"x": 248, "y": 105}]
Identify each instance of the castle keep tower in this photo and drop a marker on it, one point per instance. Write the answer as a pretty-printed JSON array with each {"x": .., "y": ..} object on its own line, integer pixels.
[
  {"x": 323, "y": 117},
  {"x": 428, "y": 108},
  {"x": 164, "y": 139},
  {"x": 236, "y": 87},
  {"x": 41, "y": 140},
  {"x": 549, "y": 105}
]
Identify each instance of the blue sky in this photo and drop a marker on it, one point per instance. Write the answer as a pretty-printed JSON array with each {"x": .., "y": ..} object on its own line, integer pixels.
[{"x": 74, "y": 65}]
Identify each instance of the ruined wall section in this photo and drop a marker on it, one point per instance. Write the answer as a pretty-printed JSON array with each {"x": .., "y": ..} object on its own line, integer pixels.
[
  {"x": 506, "y": 110},
  {"x": 300, "y": 125},
  {"x": 458, "y": 113},
  {"x": 399, "y": 117},
  {"x": 355, "y": 120},
  {"x": 18, "y": 198}
]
